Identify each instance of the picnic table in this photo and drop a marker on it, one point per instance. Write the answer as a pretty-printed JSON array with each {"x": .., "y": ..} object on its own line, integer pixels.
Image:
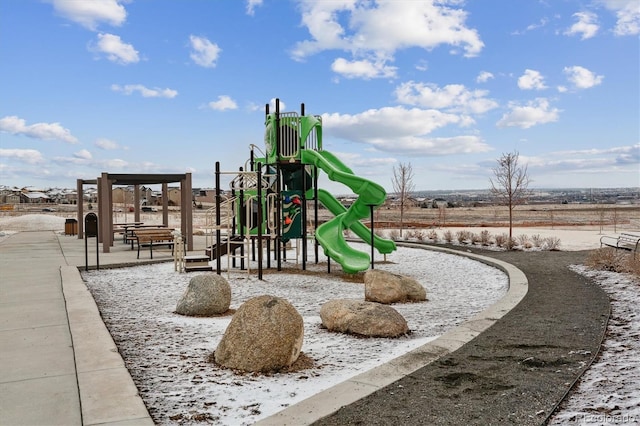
[{"x": 122, "y": 228}]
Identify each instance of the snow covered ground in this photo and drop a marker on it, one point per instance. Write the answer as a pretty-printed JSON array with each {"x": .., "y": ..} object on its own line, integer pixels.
[
  {"x": 167, "y": 353},
  {"x": 609, "y": 392}
]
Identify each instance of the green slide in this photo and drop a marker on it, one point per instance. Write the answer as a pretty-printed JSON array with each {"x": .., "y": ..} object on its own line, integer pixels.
[{"x": 330, "y": 234}]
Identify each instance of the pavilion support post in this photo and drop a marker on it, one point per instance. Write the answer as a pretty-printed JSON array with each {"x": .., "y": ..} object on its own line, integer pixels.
[
  {"x": 80, "y": 207},
  {"x": 136, "y": 203},
  {"x": 186, "y": 211},
  {"x": 104, "y": 219},
  {"x": 165, "y": 205},
  {"x": 109, "y": 222}
]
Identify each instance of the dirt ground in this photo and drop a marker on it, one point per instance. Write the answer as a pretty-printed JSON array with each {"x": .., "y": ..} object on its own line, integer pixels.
[
  {"x": 617, "y": 217},
  {"x": 561, "y": 215}
]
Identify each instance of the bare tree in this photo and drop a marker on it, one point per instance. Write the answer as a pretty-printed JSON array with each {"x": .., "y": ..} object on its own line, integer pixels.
[
  {"x": 442, "y": 214},
  {"x": 510, "y": 183},
  {"x": 403, "y": 186}
]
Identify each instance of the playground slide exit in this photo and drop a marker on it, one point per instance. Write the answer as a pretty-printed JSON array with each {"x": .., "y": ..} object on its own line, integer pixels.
[{"x": 330, "y": 234}]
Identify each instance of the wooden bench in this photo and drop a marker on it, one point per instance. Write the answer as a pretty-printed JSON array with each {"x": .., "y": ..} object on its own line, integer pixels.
[
  {"x": 625, "y": 241},
  {"x": 153, "y": 237}
]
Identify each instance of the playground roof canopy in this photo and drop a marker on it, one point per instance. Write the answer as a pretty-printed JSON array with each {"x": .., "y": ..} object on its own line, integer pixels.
[{"x": 139, "y": 179}]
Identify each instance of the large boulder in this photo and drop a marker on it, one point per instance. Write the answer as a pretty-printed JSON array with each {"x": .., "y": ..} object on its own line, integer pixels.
[
  {"x": 387, "y": 287},
  {"x": 206, "y": 295},
  {"x": 265, "y": 335},
  {"x": 362, "y": 318}
]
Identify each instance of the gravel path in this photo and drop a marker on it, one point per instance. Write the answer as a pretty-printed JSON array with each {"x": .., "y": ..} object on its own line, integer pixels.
[{"x": 515, "y": 372}]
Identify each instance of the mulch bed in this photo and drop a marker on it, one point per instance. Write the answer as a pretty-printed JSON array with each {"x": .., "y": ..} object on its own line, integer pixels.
[{"x": 517, "y": 371}]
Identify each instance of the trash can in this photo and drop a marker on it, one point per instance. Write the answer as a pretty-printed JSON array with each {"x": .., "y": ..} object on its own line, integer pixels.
[{"x": 71, "y": 227}]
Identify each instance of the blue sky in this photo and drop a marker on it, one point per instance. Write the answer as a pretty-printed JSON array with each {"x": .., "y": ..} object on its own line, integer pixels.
[{"x": 169, "y": 86}]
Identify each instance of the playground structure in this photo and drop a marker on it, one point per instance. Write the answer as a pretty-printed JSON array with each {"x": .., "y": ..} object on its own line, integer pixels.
[{"x": 270, "y": 199}]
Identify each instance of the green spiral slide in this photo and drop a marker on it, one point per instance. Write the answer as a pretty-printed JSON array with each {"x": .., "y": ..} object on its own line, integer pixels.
[{"x": 330, "y": 234}]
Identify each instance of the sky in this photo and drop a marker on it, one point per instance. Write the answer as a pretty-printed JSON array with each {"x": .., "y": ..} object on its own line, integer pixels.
[{"x": 447, "y": 87}]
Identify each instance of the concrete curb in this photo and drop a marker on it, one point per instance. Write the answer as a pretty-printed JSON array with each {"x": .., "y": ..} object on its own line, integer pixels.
[
  {"x": 331, "y": 400},
  {"x": 108, "y": 395}
]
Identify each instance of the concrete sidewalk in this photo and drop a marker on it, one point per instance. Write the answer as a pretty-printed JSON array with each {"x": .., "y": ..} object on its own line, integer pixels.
[{"x": 59, "y": 364}]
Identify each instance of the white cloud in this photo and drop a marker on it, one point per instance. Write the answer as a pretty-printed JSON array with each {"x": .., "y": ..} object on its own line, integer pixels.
[
  {"x": 45, "y": 131},
  {"x": 582, "y": 78},
  {"x": 621, "y": 158},
  {"x": 362, "y": 69},
  {"x": 144, "y": 91},
  {"x": 377, "y": 29},
  {"x": 272, "y": 105},
  {"x": 90, "y": 13},
  {"x": 106, "y": 144},
  {"x": 115, "y": 49},
  {"x": 627, "y": 14},
  {"x": 83, "y": 154},
  {"x": 531, "y": 80},
  {"x": 204, "y": 53},
  {"x": 30, "y": 156},
  {"x": 401, "y": 130},
  {"x": 115, "y": 163},
  {"x": 251, "y": 6},
  {"x": 223, "y": 103},
  {"x": 484, "y": 76},
  {"x": 586, "y": 26},
  {"x": 627, "y": 154},
  {"x": 452, "y": 97},
  {"x": 535, "y": 112}
]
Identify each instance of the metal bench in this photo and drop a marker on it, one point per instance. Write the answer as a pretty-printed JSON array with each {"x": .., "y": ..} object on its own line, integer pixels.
[{"x": 625, "y": 241}]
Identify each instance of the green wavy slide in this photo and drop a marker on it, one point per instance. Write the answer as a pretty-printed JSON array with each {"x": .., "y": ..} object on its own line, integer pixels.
[{"x": 330, "y": 234}]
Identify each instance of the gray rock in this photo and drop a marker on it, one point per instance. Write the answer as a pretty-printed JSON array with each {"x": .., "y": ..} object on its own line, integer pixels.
[
  {"x": 265, "y": 335},
  {"x": 206, "y": 295},
  {"x": 363, "y": 318},
  {"x": 387, "y": 287}
]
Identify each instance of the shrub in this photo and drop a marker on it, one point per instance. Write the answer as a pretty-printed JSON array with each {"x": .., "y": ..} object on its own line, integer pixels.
[
  {"x": 448, "y": 236},
  {"x": 501, "y": 240},
  {"x": 610, "y": 259},
  {"x": 552, "y": 243},
  {"x": 485, "y": 237},
  {"x": 415, "y": 234},
  {"x": 394, "y": 234},
  {"x": 633, "y": 265},
  {"x": 463, "y": 236},
  {"x": 433, "y": 235},
  {"x": 476, "y": 238},
  {"x": 522, "y": 239},
  {"x": 420, "y": 235},
  {"x": 537, "y": 240}
]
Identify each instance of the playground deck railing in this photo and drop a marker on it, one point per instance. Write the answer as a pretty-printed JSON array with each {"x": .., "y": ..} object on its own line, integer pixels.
[
  {"x": 227, "y": 213},
  {"x": 289, "y": 135}
]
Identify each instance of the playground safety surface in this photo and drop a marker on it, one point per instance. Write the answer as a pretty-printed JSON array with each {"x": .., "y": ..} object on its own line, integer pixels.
[{"x": 515, "y": 372}]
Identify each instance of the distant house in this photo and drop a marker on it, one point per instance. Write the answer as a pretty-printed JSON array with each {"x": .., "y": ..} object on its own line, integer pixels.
[
  {"x": 440, "y": 203},
  {"x": 35, "y": 197},
  {"x": 204, "y": 196},
  {"x": 173, "y": 197}
]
